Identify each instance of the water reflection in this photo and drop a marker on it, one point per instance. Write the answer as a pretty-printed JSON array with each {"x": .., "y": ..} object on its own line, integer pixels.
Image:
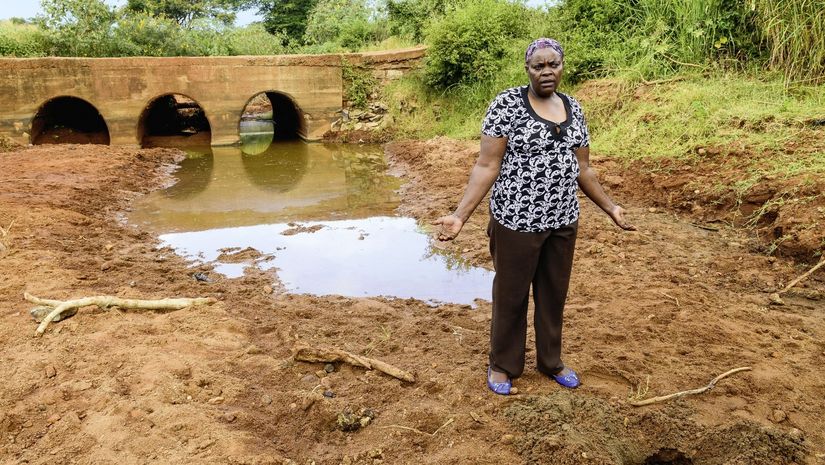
[
  {"x": 256, "y": 136},
  {"x": 278, "y": 168},
  {"x": 379, "y": 256},
  {"x": 194, "y": 173},
  {"x": 224, "y": 187},
  {"x": 349, "y": 243}
]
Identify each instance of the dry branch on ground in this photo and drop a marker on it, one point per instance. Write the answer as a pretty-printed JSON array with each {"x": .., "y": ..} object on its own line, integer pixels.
[
  {"x": 711, "y": 384},
  {"x": 105, "y": 302},
  {"x": 324, "y": 355}
]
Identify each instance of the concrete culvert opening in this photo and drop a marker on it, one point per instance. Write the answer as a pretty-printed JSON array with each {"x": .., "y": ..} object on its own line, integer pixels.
[
  {"x": 668, "y": 457},
  {"x": 276, "y": 109},
  {"x": 174, "y": 120},
  {"x": 69, "y": 120}
]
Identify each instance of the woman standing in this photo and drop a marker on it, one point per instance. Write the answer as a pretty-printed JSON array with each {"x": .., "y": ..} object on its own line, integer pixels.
[{"x": 535, "y": 154}]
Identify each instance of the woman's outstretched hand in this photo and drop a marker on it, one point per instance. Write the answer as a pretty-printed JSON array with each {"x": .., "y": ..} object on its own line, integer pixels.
[
  {"x": 617, "y": 215},
  {"x": 450, "y": 227}
]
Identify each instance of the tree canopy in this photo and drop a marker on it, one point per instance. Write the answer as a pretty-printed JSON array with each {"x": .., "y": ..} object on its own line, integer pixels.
[
  {"x": 185, "y": 12},
  {"x": 286, "y": 16}
]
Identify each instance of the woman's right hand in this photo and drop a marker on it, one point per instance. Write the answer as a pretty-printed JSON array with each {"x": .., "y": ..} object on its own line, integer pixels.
[{"x": 450, "y": 227}]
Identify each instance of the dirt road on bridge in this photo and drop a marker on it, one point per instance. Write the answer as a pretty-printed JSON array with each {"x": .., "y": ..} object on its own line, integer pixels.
[{"x": 663, "y": 309}]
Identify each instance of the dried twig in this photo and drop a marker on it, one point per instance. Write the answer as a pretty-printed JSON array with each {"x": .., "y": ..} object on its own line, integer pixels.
[
  {"x": 4, "y": 233},
  {"x": 670, "y": 297},
  {"x": 447, "y": 423},
  {"x": 106, "y": 301},
  {"x": 705, "y": 227},
  {"x": 711, "y": 384},
  {"x": 311, "y": 354},
  {"x": 808, "y": 273}
]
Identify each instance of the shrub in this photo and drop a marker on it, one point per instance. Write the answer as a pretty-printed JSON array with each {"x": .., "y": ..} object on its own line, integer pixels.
[
  {"x": 348, "y": 23},
  {"x": 409, "y": 18},
  {"x": 469, "y": 40},
  {"x": 255, "y": 40},
  {"x": 358, "y": 85},
  {"x": 21, "y": 40}
]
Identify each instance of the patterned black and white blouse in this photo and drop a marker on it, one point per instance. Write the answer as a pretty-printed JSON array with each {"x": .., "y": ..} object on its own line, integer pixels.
[{"x": 536, "y": 188}]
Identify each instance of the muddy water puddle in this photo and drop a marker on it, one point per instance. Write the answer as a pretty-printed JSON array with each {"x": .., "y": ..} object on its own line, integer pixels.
[{"x": 321, "y": 216}]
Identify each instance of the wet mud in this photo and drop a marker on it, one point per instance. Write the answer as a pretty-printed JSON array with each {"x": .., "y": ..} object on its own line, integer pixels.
[{"x": 657, "y": 311}]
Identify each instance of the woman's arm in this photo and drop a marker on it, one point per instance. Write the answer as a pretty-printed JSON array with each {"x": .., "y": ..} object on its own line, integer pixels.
[
  {"x": 482, "y": 177},
  {"x": 589, "y": 184}
]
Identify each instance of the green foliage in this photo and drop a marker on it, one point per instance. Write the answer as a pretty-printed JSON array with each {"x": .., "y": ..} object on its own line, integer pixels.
[
  {"x": 358, "y": 85},
  {"x": 286, "y": 16},
  {"x": 78, "y": 27},
  {"x": 591, "y": 32},
  {"x": 651, "y": 38},
  {"x": 186, "y": 12},
  {"x": 145, "y": 35},
  {"x": 409, "y": 18},
  {"x": 467, "y": 43},
  {"x": 255, "y": 40},
  {"x": 21, "y": 40},
  {"x": 348, "y": 23},
  {"x": 794, "y": 30}
]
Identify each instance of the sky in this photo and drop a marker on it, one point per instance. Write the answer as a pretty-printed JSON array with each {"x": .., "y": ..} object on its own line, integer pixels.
[{"x": 30, "y": 8}]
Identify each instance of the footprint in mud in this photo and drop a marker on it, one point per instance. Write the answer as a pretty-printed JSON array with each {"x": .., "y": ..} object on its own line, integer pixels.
[{"x": 612, "y": 383}]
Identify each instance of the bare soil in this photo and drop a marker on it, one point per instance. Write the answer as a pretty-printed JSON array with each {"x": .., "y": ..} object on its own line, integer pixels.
[{"x": 663, "y": 309}]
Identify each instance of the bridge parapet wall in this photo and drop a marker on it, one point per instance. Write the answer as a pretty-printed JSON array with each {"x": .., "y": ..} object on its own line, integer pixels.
[{"x": 122, "y": 88}]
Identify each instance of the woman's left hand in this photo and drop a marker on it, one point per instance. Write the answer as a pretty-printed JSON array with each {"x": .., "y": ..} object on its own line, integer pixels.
[{"x": 617, "y": 215}]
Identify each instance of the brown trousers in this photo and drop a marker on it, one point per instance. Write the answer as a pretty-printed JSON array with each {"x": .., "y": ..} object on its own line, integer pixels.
[{"x": 545, "y": 260}]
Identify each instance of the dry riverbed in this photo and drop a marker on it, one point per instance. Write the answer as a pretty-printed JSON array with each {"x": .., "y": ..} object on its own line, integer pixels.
[{"x": 651, "y": 312}]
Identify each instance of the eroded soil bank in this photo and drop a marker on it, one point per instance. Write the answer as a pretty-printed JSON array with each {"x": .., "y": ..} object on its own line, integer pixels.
[{"x": 666, "y": 308}]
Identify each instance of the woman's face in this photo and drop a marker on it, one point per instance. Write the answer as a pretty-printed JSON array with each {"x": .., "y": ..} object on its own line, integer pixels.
[{"x": 544, "y": 69}]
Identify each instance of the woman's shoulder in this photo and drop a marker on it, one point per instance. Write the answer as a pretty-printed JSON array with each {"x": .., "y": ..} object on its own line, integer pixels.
[{"x": 509, "y": 96}]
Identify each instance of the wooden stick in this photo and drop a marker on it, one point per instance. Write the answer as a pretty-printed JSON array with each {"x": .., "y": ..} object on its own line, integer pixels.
[
  {"x": 797, "y": 280},
  {"x": 448, "y": 422},
  {"x": 311, "y": 354},
  {"x": 106, "y": 301},
  {"x": 670, "y": 297},
  {"x": 653, "y": 400}
]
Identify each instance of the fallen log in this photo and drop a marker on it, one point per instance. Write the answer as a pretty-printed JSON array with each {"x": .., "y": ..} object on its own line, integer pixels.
[
  {"x": 106, "y": 301},
  {"x": 330, "y": 355},
  {"x": 711, "y": 384}
]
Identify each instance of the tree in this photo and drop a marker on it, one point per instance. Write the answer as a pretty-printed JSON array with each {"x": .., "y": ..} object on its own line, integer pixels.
[
  {"x": 350, "y": 24},
  {"x": 77, "y": 27},
  {"x": 286, "y": 16},
  {"x": 185, "y": 12}
]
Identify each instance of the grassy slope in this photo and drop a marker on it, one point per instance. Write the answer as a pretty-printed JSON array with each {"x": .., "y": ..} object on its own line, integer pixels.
[{"x": 752, "y": 151}]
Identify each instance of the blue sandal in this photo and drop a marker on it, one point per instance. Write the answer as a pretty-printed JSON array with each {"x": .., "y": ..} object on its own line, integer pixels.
[
  {"x": 502, "y": 388},
  {"x": 570, "y": 380}
]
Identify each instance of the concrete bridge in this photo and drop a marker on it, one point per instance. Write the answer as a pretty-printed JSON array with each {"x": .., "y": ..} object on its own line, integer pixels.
[{"x": 116, "y": 95}]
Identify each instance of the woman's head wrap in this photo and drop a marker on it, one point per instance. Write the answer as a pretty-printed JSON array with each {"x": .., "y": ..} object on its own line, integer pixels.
[{"x": 539, "y": 44}]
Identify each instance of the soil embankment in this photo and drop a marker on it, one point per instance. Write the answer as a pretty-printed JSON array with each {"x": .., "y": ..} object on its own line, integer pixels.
[{"x": 667, "y": 308}]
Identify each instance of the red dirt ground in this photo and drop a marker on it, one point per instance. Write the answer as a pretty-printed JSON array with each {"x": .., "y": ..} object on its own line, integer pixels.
[{"x": 666, "y": 308}]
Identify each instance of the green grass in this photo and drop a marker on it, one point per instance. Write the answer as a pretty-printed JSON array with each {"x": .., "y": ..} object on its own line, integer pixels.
[
  {"x": 673, "y": 120},
  {"x": 21, "y": 40},
  {"x": 759, "y": 128},
  {"x": 794, "y": 30}
]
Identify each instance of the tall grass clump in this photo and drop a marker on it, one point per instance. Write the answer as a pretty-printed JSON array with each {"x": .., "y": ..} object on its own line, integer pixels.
[
  {"x": 644, "y": 39},
  {"x": 795, "y": 32}
]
